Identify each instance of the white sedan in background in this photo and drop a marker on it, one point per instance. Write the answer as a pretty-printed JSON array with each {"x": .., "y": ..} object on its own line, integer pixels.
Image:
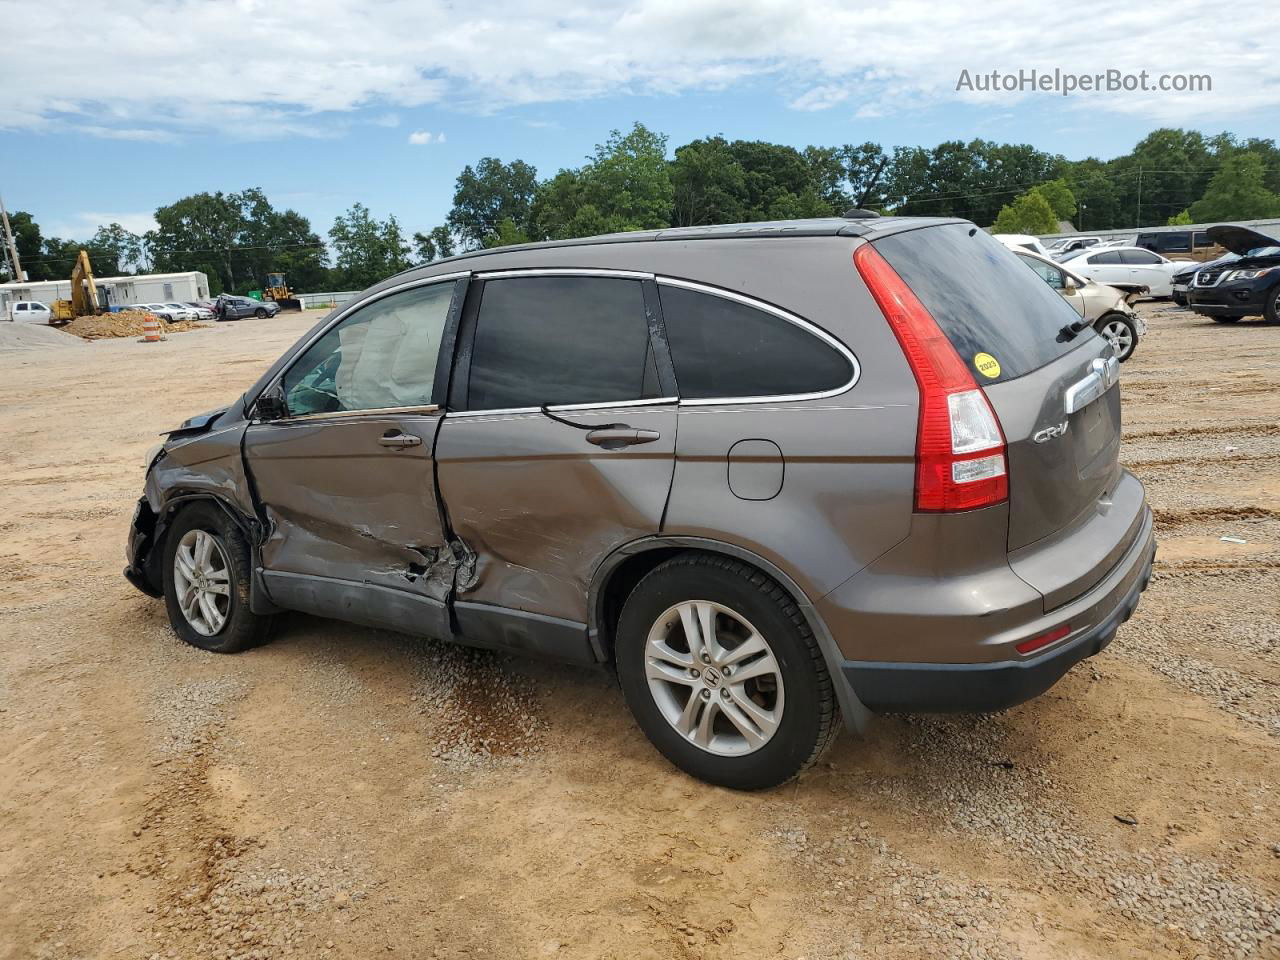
[{"x": 1127, "y": 268}]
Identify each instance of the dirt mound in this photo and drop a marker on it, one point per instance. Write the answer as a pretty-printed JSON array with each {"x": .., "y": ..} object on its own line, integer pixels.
[
  {"x": 33, "y": 336},
  {"x": 126, "y": 323}
]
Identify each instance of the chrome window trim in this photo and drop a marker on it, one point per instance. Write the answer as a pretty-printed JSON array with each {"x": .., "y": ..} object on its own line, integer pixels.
[
  {"x": 565, "y": 407},
  {"x": 417, "y": 410},
  {"x": 516, "y": 272},
  {"x": 345, "y": 312},
  {"x": 778, "y": 312}
]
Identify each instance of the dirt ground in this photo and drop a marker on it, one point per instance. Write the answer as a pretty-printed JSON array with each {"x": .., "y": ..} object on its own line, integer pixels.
[{"x": 345, "y": 792}]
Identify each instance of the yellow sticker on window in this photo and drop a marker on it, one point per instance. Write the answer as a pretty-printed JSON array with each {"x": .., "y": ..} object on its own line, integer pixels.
[{"x": 987, "y": 365}]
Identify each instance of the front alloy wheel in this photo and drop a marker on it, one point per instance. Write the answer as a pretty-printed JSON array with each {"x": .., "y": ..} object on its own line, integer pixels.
[
  {"x": 714, "y": 678},
  {"x": 202, "y": 581},
  {"x": 1120, "y": 331}
]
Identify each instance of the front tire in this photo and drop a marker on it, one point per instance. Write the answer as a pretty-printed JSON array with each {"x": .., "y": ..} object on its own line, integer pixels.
[
  {"x": 723, "y": 674},
  {"x": 1122, "y": 333},
  {"x": 1272, "y": 312},
  {"x": 260, "y": 313},
  {"x": 206, "y": 582}
]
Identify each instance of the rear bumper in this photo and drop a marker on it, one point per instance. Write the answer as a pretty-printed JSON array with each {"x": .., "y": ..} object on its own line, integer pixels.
[{"x": 998, "y": 685}]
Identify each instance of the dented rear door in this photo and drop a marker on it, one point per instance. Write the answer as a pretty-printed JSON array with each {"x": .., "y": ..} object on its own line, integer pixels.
[
  {"x": 539, "y": 499},
  {"x": 346, "y": 481}
]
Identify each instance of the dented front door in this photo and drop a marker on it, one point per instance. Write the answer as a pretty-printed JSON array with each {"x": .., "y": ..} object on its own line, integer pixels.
[{"x": 346, "y": 479}]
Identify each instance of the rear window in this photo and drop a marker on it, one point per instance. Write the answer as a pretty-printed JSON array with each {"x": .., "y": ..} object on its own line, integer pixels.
[{"x": 983, "y": 298}]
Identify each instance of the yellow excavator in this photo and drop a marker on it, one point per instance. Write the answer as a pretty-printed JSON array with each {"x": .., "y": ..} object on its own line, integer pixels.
[
  {"x": 276, "y": 289},
  {"x": 84, "y": 295}
]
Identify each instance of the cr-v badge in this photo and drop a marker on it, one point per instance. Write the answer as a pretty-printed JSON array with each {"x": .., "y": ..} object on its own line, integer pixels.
[{"x": 1051, "y": 433}]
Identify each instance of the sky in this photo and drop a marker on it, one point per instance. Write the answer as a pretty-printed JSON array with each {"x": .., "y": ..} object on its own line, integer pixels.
[{"x": 323, "y": 103}]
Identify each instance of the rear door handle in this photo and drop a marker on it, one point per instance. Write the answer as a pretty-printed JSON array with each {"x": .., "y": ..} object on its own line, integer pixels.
[
  {"x": 620, "y": 436},
  {"x": 399, "y": 440}
]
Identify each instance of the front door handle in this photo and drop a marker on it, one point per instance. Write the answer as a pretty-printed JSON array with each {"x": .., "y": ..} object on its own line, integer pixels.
[
  {"x": 400, "y": 440},
  {"x": 614, "y": 437}
]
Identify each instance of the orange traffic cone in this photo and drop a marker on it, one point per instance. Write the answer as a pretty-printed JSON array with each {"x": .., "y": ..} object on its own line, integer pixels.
[{"x": 151, "y": 329}]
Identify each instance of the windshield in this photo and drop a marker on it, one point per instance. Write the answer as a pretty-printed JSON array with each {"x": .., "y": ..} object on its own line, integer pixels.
[{"x": 1264, "y": 252}]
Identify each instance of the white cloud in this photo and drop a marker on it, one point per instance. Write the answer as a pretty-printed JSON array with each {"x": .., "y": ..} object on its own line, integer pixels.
[
  {"x": 420, "y": 137},
  {"x": 83, "y": 225},
  {"x": 323, "y": 59},
  {"x": 822, "y": 97}
]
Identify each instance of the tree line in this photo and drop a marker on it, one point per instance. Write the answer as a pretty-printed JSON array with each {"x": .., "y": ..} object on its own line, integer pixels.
[{"x": 632, "y": 182}]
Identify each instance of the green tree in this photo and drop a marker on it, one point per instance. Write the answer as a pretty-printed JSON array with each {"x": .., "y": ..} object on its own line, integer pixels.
[
  {"x": 435, "y": 245},
  {"x": 625, "y": 185},
  {"x": 1237, "y": 192},
  {"x": 237, "y": 238},
  {"x": 114, "y": 251},
  {"x": 708, "y": 184},
  {"x": 489, "y": 193},
  {"x": 366, "y": 249},
  {"x": 1029, "y": 213},
  {"x": 866, "y": 170},
  {"x": 1181, "y": 220},
  {"x": 1061, "y": 200},
  {"x": 506, "y": 234},
  {"x": 30, "y": 244}
]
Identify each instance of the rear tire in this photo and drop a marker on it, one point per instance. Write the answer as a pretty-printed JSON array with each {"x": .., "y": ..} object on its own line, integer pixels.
[
  {"x": 207, "y": 572},
  {"x": 1122, "y": 333},
  {"x": 749, "y": 710}
]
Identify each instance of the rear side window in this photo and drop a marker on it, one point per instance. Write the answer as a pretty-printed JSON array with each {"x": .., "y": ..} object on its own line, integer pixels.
[
  {"x": 725, "y": 349},
  {"x": 1111, "y": 256},
  {"x": 985, "y": 301},
  {"x": 1136, "y": 257},
  {"x": 560, "y": 340}
]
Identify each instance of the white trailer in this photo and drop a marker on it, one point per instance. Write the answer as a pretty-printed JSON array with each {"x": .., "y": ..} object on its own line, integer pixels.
[{"x": 113, "y": 291}]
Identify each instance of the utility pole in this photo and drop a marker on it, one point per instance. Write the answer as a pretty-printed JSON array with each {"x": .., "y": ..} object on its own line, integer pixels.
[
  {"x": 1138, "y": 214},
  {"x": 9, "y": 244}
]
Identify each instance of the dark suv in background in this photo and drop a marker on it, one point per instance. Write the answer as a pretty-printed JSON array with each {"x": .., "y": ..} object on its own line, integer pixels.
[
  {"x": 769, "y": 473},
  {"x": 1248, "y": 286}
]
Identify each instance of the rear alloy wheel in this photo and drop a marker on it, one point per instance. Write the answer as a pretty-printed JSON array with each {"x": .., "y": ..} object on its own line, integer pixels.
[
  {"x": 722, "y": 673},
  {"x": 1123, "y": 335},
  {"x": 206, "y": 582}
]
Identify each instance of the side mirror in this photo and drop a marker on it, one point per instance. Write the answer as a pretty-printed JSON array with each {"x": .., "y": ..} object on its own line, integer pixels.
[{"x": 270, "y": 405}]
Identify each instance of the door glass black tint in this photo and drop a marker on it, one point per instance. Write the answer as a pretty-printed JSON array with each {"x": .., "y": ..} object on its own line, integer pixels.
[
  {"x": 984, "y": 300},
  {"x": 1176, "y": 242},
  {"x": 1136, "y": 257},
  {"x": 722, "y": 348},
  {"x": 558, "y": 340},
  {"x": 1111, "y": 256}
]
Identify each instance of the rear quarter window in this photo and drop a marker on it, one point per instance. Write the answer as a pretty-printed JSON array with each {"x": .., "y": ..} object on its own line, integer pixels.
[
  {"x": 724, "y": 349},
  {"x": 983, "y": 298}
]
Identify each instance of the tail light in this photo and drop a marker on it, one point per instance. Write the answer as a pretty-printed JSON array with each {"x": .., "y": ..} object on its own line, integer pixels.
[{"x": 961, "y": 461}]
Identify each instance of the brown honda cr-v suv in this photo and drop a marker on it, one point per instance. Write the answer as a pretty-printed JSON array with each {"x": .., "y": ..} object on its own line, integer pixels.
[{"x": 771, "y": 474}]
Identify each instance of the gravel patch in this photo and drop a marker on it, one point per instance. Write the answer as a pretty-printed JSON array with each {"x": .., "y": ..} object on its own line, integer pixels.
[
  {"x": 480, "y": 711},
  {"x": 191, "y": 715}
]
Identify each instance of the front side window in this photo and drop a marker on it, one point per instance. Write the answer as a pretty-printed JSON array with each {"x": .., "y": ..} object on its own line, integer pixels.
[
  {"x": 560, "y": 340},
  {"x": 1050, "y": 274},
  {"x": 724, "y": 349},
  {"x": 381, "y": 356}
]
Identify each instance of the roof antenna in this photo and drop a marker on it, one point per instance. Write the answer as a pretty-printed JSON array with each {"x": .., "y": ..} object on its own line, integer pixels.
[{"x": 857, "y": 213}]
